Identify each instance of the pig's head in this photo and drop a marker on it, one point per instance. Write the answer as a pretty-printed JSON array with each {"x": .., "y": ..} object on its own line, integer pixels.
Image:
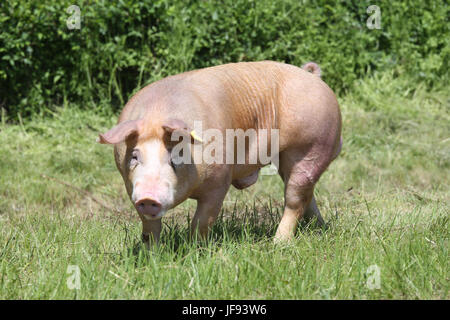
[{"x": 156, "y": 177}]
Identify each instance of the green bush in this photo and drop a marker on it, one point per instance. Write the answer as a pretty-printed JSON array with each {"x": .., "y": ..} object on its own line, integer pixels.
[{"x": 123, "y": 45}]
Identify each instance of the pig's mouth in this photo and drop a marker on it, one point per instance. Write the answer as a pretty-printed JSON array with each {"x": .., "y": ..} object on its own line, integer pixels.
[{"x": 157, "y": 217}]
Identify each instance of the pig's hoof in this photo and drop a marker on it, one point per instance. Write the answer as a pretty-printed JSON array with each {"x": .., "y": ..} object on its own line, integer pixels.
[
  {"x": 150, "y": 243},
  {"x": 282, "y": 238},
  {"x": 145, "y": 238}
]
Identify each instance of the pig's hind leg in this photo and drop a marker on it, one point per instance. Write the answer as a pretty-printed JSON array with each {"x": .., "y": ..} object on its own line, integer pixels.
[
  {"x": 313, "y": 212},
  {"x": 299, "y": 173}
]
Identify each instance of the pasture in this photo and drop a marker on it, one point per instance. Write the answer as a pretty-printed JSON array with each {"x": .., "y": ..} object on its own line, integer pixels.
[{"x": 385, "y": 200}]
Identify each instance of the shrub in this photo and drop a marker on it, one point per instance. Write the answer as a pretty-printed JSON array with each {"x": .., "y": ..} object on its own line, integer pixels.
[{"x": 123, "y": 45}]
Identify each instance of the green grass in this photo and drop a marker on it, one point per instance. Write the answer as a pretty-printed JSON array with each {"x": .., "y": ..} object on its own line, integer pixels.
[{"x": 385, "y": 198}]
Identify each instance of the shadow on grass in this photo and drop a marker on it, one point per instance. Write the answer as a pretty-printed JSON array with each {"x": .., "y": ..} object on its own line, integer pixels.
[{"x": 249, "y": 225}]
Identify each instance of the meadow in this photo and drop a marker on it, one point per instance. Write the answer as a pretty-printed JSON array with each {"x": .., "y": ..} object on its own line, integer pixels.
[{"x": 385, "y": 200}]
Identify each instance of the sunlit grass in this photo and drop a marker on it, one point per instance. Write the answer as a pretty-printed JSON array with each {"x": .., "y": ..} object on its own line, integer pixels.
[{"x": 385, "y": 200}]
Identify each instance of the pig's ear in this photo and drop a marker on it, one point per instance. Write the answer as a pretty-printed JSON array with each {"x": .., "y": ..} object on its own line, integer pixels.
[
  {"x": 120, "y": 132},
  {"x": 172, "y": 125}
]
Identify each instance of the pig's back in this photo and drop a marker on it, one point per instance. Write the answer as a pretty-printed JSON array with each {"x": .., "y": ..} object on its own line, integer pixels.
[
  {"x": 268, "y": 94},
  {"x": 243, "y": 95}
]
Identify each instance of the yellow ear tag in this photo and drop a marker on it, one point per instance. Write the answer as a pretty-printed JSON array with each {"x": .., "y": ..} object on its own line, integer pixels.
[{"x": 195, "y": 136}]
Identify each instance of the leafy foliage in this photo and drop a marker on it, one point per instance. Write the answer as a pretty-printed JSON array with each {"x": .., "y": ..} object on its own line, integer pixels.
[{"x": 124, "y": 45}]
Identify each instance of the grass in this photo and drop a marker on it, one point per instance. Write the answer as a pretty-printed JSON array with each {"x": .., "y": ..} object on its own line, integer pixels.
[{"x": 385, "y": 198}]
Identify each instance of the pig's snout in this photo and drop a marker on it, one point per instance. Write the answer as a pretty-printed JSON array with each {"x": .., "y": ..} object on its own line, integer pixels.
[{"x": 148, "y": 207}]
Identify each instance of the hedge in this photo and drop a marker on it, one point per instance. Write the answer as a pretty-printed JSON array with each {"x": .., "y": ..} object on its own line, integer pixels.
[{"x": 123, "y": 45}]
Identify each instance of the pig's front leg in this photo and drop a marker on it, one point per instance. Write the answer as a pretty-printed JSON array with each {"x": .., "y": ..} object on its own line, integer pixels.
[
  {"x": 151, "y": 229},
  {"x": 208, "y": 208}
]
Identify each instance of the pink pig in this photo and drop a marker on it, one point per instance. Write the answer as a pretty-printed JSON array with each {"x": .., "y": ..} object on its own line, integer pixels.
[{"x": 248, "y": 95}]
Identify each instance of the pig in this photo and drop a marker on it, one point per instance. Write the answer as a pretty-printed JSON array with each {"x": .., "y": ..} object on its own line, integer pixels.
[{"x": 246, "y": 95}]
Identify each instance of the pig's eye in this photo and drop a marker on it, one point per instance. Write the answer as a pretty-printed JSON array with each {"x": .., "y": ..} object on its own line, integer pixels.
[{"x": 134, "y": 161}]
